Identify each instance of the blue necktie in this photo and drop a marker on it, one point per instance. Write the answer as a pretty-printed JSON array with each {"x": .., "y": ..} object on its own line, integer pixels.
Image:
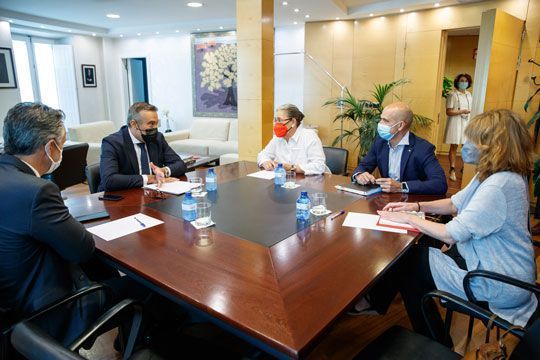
[{"x": 145, "y": 167}]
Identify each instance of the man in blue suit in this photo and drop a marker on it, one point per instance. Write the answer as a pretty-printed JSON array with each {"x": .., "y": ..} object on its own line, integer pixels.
[
  {"x": 406, "y": 162},
  {"x": 138, "y": 154}
]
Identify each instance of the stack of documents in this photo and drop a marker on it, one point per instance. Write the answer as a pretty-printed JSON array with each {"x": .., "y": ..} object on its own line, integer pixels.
[
  {"x": 371, "y": 221},
  {"x": 125, "y": 226},
  {"x": 264, "y": 174},
  {"x": 175, "y": 187}
]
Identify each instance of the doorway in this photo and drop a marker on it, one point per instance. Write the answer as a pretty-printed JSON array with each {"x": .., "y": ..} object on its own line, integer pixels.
[
  {"x": 460, "y": 58},
  {"x": 135, "y": 80}
]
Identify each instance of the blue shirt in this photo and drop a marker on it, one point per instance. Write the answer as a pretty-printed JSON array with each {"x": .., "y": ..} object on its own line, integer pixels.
[{"x": 394, "y": 157}]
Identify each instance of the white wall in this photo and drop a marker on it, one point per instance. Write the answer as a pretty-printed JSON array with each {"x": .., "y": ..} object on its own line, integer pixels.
[
  {"x": 8, "y": 97},
  {"x": 168, "y": 61},
  {"x": 93, "y": 101},
  {"x": 289, "y": 69}
]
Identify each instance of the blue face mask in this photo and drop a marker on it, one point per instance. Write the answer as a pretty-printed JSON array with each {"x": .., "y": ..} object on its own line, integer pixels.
[
  {"x": 385, "y": 131},
  {"x": 470, "y": 153},
  {"x": 463, "y": 85}
]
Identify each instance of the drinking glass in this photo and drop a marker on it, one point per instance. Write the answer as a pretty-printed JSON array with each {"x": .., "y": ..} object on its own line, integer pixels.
[
  {"x": 197, "y": 190},
  {"x": 290, "y": 180},
  {"x": 204, "y": 217},
  {"x": 205, "y": 237},
  {"x": 318, "y": 204}
]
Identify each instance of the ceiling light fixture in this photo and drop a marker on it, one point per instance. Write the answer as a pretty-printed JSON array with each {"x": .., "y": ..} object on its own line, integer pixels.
[
  {"x": 221, "y": 28},
  {"x": 401, "y": 10},
  {"x": 307, "y": 16},
  {"x": 437, "y": 5},
  {"x": 337, "y": 18},
  {"x": 113, "y": 16},
  {"x": 10, "y": 20},
  {"x": 284, "y": 3},
  {"x": 69, "y": 30},
  {"x": 295, "y": 23},
  {"x": 157, "y": 32},
  {"x": 296, "y": 10},
  {"x": 42, "y": 26},
  {"x": 176, "y": 31},
  {"x": 121, "y": 35},
  {"x": 194, "y": 4},
  {"x": 371, "y": 14},
  {"x": 198, "y": 29},
  {"x": 93, "y": 34},
  {"x": 138, "y": 34}
]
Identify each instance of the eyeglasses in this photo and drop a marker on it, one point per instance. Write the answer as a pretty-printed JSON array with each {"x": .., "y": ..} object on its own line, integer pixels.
[
  {"x": 278, "y": 120},
  {"x": 154, "y": 194}
]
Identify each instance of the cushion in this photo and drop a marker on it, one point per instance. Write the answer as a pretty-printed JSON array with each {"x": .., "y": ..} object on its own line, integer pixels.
[
  {"x": 176, "y": 135},
  {"x": 228, "y": 158},
  {"x": 91, "y": 132},
  {"x": 233, "y": 130},
  {"x": 190, "y": 146},
  {"x": 222, "y": 147},
  {"x": 94, "y": 153},
  {"x": 210, "y": 129}
]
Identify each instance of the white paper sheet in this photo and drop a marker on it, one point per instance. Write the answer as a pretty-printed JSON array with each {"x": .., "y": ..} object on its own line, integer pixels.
[
  {"x": 125, "y": 226},
  {"x": 263, "y": 174},
  {"x": 368, "y": 221},
  {"x": 175, "y": 187}
]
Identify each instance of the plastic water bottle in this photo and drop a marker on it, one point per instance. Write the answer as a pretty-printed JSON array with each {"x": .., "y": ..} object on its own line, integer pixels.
[
  {"x": 211, "y": 180},
  {"x": 189, "y": 207},
  {"x": 280, "y": 172},
  {"x": 302, "y": 206}
]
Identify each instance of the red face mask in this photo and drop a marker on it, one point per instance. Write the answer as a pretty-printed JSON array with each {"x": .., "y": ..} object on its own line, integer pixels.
[{"x": 280, "y": 129}]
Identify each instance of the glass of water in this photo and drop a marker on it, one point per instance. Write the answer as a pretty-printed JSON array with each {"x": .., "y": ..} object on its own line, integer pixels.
[
  {"x": 205, "y": 237},
  {"x": 198, "y": 186},
  {"x": 318, "y": 204},
  {"x": 204, "y": 215},
  {"x": 290, "y": 180}
]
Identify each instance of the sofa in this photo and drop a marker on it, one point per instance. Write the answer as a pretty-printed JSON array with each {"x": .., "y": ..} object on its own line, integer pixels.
[
  {"x": 206, "y": 136},
  {"x": 91, "y": 133}
]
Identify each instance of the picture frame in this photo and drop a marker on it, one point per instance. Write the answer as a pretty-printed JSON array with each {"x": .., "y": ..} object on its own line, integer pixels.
[
  {"x": 8, "y": 78},
  {"x": 214, "y": 74},
  {"x": 88, "y": 75}
]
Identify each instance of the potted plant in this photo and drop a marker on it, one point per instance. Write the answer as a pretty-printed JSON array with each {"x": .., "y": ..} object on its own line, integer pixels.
[{"x": 364, "y": 115}]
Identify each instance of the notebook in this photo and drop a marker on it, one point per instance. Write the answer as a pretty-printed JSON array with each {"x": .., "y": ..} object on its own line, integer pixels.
[{"x": 364, "y": 190}]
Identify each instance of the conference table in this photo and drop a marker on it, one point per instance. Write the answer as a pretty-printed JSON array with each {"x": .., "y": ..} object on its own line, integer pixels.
[{"x": 280, "y": 294}]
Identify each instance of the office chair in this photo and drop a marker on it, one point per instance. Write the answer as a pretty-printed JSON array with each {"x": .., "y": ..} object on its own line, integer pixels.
[
  {"x": 336, "y": 159},
  {"x": 93, "y": 177},
  {"x": 400, "y": 343},
  {"x": 71, "y": 170}
]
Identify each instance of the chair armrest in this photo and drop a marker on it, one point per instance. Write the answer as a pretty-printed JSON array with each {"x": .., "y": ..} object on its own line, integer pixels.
[
  {"x": 534, "y": 288},
  {"x": 114, "y": 317},
  {"x": 176, "y": 135},
  {"x": 470, "y": 309}
]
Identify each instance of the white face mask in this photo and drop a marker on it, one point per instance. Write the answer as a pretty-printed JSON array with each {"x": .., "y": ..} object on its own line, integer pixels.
[{"x": 54, "y": 164}]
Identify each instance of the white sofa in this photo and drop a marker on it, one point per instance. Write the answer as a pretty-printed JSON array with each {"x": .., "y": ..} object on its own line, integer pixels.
[
  {"x": 91, "y": 133},
  {"x": 207, "y": 136}
]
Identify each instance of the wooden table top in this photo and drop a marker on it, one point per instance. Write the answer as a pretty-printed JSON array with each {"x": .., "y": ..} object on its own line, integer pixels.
[{"x": 285, "y": 295}]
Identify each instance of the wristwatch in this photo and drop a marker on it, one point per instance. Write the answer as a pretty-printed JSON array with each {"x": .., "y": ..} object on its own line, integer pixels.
[
  {"x": 293, "y": 167},
  {"x": 404, "y": 187}
]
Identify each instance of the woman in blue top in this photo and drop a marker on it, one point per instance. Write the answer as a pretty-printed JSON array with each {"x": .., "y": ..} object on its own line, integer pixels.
[{"x": 489, "y": 232}]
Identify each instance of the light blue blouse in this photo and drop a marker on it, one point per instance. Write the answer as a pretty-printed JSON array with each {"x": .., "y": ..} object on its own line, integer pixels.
[{"x": 491, "y": 233}]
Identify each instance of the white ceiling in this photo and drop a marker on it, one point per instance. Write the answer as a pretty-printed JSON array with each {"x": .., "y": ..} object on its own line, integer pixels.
[{"x": 169, "y": 16}]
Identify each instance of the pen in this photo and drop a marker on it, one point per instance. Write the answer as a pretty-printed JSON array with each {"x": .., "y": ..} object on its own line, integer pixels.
[
  {"x": 338, "y": 214},
  {"x": 140, "y": 222}
]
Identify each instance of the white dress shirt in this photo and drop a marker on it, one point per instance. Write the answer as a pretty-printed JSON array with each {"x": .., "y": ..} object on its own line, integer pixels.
[
  {"x": 394, "y": 157},
  {"x": 303, "y": 149},
  {"x": 31, "y": 167}
]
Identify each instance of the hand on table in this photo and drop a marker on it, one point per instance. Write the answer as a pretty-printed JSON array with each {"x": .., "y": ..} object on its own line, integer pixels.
[
  {"x": 389, "y": 185},
  {"x": 400, "y": 217},
  {"x": 269, "y": 165},
  {"x": 401, "y": 206},
  {"x": 365, "y": 178}
]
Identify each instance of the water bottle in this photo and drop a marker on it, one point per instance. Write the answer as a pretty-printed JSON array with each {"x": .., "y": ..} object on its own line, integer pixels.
[
  {"x": 211, "y": 180},
  {"x": 280, "y": 173},
  {"x": 189, "y": 207},
  {"x": 302, "y": 206}
]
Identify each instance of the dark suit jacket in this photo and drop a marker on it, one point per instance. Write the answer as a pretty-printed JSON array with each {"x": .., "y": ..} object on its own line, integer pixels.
[
  {"x": 420, "y": 169},
  {"x": 39, "y": 242},
  {"x": 119, "y": 168}
]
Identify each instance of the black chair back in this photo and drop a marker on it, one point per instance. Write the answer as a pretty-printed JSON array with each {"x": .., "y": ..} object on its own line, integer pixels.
[
  {"x": 93, "y": 177},
  {"x": 71, "y": 170},
  {"x": 336, "y": 159},
  {"x": 529, "y": 346}
]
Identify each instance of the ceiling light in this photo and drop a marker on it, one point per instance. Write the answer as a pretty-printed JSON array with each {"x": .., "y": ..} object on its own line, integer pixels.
[
  {"x": 307, "y": 16},
  {"x": 284, "y": 3},
  {"x": 176, "y": 31},
  {"x": 437, "y": 5},
  {"x": 93, "y": 34},
  {"x": 337, "y": 18},
  {"x": 221, "y": 28},
  {"x": 194, "y": 4},
  {"x": 371, "y": 14},
  {"x": 138, "y": 34},
  {"x": 113, "y": 16},
  {"x": 42, "y": 26},
  {"x": 401, "y": 10},
  {"x": 296, "y": 10},
  {"x": 157, "y": 32},
  {"x": 10, "y": 21},
  {"x": 198, "y": 29},
  {"x": 69, "y": 30},
  {"x": 295, "y": 23},
  {"x": 121, "y": 35}
]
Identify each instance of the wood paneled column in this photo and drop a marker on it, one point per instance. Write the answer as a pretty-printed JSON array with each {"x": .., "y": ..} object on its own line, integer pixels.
[{"x": 255, "y": 32}]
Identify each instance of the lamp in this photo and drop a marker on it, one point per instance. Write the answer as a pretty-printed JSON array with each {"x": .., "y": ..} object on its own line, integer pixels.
[{"x": 341, "y": 86}]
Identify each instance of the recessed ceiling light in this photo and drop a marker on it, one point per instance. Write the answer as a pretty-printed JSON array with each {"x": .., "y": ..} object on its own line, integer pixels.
[
  {"x": 337, "y": 18},
  {"x": 157, "y": 32},
  {"x": 221, "y": 28},
  {"x": 69, "y": 30},
  {"x": 10, "y": 21},
  {"x": 42, "y": 26},
  {"x": 295, "y": 23},
  {"x": 93, "y": 34},
  {"x": 296, "y": 10},
  {"x": 437, "y": 5},
  {"x": 284, "y": 3},
  {"x": 121, "y": 35},
  {"x": 194, "y": 4},
  {"x": 401, "y": 10},
  {"x": 307, "y": 16},
  {"x": 176, "y": 31},
  {"x": 371, "y": 14},
  {"x": 113, "y": 16},
  {"x": 198, "y": 29},
  {"x": 138, "y": 34}
]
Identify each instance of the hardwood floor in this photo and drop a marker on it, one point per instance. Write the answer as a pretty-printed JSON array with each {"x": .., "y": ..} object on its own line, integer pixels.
[{"x": 349, "y": 334}]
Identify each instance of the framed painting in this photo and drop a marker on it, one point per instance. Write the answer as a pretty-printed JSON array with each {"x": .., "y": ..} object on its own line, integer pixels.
[
  {"x": 214, "y": 69},
  {"x": 7, "y": 69},
  {"x": 89, "y": 75}
]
